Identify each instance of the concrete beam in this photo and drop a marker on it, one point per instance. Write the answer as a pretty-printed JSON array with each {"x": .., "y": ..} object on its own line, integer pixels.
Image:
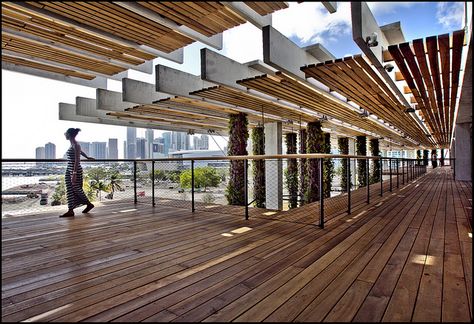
[
  {"x": 393, "y": 33},
  {"x": 172, "y": 81},
  {"x": 284, "y": 55},
  {"x": 319, "y": 52},
  {"x": 331, "y": 6},
  {"x": 140, "y": 92},
  {"x": 111, "y": 101},
  {"x": 213, "y": 41},
  {"x": 97, "y": 82},
  {"x": 222, "y": 70},
  {"x": 175, "y": 56},
  {"x": 247, "y": 13}
]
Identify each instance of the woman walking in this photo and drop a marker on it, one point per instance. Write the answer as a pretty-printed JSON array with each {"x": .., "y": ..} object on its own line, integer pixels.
[{"x": 75, "y": 194}]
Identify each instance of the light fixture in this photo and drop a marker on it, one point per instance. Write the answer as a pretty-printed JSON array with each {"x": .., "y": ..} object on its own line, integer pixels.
[
  {"x": 371, "y": 40},
  {"x": 388, "y": 67},
  {"x": 410, "y": 110}
]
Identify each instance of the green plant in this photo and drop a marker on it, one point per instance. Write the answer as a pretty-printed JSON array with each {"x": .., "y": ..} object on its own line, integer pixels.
[
  {"x": 204, "y": 177},
  {"x": 97, "y": 180},
  {"x": 303, "y": 169},
  {"x": 59, "y": 196},
  {"x": 258, "y": 166},
  {"x": 291, "y": 174},
  {"x": 343, "y": 145},
  {"x": 425, "y": 157},
  {"x": 375, "y": 151},
  {"x": 361, "y": 148},
  {"x": 315, "y": 144},
  {"x": 238, "y": 136},
  {"x": 418, "y": 157},
  {"x": 328, "y": 170},
  {"x": 114, "y": 180}
]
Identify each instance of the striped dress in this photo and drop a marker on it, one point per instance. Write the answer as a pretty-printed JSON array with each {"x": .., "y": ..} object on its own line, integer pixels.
[{"x": 75, "y": 194}]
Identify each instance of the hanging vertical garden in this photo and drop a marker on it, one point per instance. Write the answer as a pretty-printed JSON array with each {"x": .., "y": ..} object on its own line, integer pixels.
[
  {"x": 375, "y": 151},
  {"x": 425, "y": 157},
  {"x": 361, "y": 149},
  {"x": 315, "y": 143},
  {"x": 303, "y": 172},
  {"x": 418, "y": 157},
  {"x": 238, "y": 135},
  {"x": 258, "y": 166},
  {"x": 292, "y": 171},
  {"x": 328, "y": 171},
  {"x": 343, "y": 145},
  {"x": 441, "y": 158}
]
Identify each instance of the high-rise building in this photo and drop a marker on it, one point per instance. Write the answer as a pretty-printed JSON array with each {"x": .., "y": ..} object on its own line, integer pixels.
[
  {"x": 113, "y": 149},
  {"x": 149, "y": 136},
  {"x": 201, "y": 143},
  {"x": 40, "y": 153},
  {"x": 166, "y": 142},
  {"x": 180, "y": 141},
  {"x": 85, "y": 147},
  {"x": 125, "y": 150},
  {"x": 158, "y": 148},
  {"x": 99, "y": 150},
  {"x": 50, "y": 151},
  {"x": 141, "y": 148},
  {"x": 131, "y": 143}
]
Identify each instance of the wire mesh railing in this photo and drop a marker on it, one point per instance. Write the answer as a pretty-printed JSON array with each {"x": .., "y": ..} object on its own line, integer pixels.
[{"x": 309, "y": 188}]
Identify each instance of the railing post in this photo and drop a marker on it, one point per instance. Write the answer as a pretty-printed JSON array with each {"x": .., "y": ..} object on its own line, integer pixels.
[
  {"x": 192, "y": 186},
  {"x": 135, "y": 180},
  {"x": 390, "y": 167},
  {"x": 367, "y": 181},
  {"x": 153, "y": 182},
  {"x": 321, "y": 194},
  {"x": 403, "y": 172},
  {"x": 398, "y": 174},
  {"x": 454, "y": 168},
  {"x": 246, "y": 197},
  {"x": 381, "y": 176},
  {"x": 348, "y": 185}
]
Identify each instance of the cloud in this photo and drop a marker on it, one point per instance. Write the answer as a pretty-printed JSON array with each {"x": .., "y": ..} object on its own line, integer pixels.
[
  {"x": 450, "y": 14},
  {"x": 310, "y": 22},
  {"x": 380, "y": 8},
  {"x": 243, "y": 43}
]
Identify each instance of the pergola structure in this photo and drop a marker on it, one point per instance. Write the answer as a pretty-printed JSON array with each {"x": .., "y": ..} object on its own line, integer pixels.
[{"x": 413, "y": 106}]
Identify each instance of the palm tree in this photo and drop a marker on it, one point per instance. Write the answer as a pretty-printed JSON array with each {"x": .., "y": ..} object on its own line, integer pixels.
[{"x": 115, "y": 182}]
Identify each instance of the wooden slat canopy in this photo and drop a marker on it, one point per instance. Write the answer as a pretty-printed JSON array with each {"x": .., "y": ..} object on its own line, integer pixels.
[
  {"x": 431, "y": 69},
  {"x": 294, "y": 116},
  {"x": 354, "y": 78},
  {"x": 105, "y": 38},
  {"x": 265, "y": 8},
  {"x": 284, "y": 87}
]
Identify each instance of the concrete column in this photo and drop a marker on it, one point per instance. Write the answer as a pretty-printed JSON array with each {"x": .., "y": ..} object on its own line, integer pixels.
[
  {"x": 463, "y": 149},
  {"x": 273, "y": 168}
]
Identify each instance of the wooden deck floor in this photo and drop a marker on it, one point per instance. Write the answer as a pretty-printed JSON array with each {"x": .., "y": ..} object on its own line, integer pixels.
[{"x": 404, "y": 257}]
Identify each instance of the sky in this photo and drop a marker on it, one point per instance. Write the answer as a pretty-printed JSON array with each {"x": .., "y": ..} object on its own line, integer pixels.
[{"x": 30, "y": 104}]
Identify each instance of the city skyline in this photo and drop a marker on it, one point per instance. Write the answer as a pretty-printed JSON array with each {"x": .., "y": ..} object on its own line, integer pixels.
[{"x": 146, "y": 147}]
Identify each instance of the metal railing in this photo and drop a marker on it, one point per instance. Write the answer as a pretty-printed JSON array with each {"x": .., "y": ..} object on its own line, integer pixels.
[{"x": 160, "y": 179}]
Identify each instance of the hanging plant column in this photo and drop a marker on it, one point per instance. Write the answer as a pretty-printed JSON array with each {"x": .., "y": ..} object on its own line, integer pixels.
[
  {"x": 361, "y": 148},
  {"x": 441, "y": 158},
  {"x": 292, "y": 171},
  {"x": 425, "y": 157},
  {"x": 258, "y": 166},
  {"x": 343, "y": 144},
  {"x": 328, "y": 167},
  {"x": 315, "y": 144},
  {"x": 303, "y": 167},
  {"x": 238, "y": 135},
  {"x": 418, "y": 157},
  {"x": 375, "y": 151}
]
